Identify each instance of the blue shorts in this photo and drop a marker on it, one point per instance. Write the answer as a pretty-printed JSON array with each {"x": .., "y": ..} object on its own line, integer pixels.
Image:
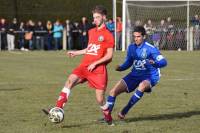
[{"x": 132, "y": 82}]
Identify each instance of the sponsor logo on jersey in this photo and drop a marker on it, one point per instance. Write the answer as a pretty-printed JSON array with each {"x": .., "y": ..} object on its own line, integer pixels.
[
  {"x": 101, "y": 38},
  {"x": 92, "y": 49},
  {"x": 139, "y": 64}
]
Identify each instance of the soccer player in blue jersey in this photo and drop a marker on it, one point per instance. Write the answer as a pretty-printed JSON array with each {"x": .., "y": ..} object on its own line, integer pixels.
[{"x": 146, "y": 61}]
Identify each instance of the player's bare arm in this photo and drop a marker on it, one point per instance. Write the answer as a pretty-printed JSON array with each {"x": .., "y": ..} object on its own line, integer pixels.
[
  {"x": 108, "y": 56},
  {"x": 76, "y": 53}
]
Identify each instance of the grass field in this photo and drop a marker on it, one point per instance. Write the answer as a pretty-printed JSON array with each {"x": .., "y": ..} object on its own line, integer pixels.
[{"x": 30, "y": 81}]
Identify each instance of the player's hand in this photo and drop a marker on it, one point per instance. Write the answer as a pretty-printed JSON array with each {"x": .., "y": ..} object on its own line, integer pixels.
[
  {"x": 71, "y": 53},
  {"x": 91, "y": 67},
  {"x": 117, "y": 68},
  {"x": 151, "y": 62}
]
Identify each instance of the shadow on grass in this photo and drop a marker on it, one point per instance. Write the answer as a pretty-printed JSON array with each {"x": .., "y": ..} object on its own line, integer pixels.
[
  {"x": 71, "y": 126},
  {"x": 84, "y": 124},
  {"x": 14, "y": 89},
  {"x": 178, "y": 115},
  {"x": 76, "y": 125}
]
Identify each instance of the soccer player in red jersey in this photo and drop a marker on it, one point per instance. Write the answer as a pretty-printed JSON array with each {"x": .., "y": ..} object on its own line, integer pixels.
[{"x": 97, "y": 55}]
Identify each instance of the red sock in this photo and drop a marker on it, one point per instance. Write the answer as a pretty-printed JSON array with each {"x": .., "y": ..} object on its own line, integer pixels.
[{"x": 61, "y": 100}]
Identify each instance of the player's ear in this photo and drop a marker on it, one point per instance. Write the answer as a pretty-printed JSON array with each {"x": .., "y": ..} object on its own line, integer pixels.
[{"x": 144, "y": 37}]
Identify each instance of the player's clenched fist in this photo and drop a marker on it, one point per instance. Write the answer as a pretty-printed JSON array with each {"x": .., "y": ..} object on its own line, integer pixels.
[
  {"x": 71, "y": 53},
  {"x": 117, "y": 68}
]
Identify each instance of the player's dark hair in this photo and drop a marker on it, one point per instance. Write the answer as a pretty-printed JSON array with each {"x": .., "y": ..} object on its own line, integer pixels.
[
  {"x": 99, "y": 9},
  {"x": 140, "y": 29}
]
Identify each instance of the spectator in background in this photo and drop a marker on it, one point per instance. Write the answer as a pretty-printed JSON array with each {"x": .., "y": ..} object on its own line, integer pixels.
[
  {"x": 138, "y": 23},
  {"x": 111, "y": 26},
  {"x": 170, "y": 34},
  {"x": 195, "y": 23},
  {"x": 39, "y": 36},
  {"x": 30, "y": 28},
  {"x": 162, "y": 29},
  {"x": 84, "y": 27},
  {"x": 180, "y": 39},
  {"x": 49, "y": 37},
  {"x": 76, "y": 35},
  {"x": 195, "y": 20},
  {"x": 119, "y": 33},
  {"x": 149, "y": 31},
  {"x": 3, "y": 29},
  {"x": 169, "y": 23},
  {"x": 12, "y": 28},
  {"x": 21, "y": 36},
  {"x": 57, "y": 35},
  {"x": 69, "y": 28}
]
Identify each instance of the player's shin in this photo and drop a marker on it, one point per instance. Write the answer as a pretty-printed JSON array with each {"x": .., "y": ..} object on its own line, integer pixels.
[
  {"x": 63, "y": 97},
  {"x": 134, "y": 99}
]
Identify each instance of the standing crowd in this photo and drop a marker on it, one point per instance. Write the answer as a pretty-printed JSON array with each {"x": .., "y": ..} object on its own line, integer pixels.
[
  {"x": 49, "y": 35},
  {"x": 168, "y": 34}
]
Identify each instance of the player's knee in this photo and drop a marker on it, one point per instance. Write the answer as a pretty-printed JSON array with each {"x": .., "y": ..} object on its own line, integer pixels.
[
  {"x": 144, "y": 86},
  {"x": 141, "y": 89}
]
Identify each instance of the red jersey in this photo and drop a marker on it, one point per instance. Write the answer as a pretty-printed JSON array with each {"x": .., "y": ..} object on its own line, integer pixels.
[
  {"x": 119, "y": 27},
  {"x": 99, "y": 41}
]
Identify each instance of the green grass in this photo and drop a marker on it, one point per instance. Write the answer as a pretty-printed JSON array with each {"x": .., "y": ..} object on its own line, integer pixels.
[{"x": 30, "y": 81}]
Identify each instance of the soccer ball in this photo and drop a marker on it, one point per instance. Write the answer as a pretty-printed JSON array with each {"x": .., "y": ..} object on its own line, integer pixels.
[{"x": 56, "y": 115}]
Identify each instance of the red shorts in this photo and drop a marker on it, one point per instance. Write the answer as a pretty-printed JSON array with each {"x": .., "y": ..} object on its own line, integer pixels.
[{"x": 96, "y": 79}]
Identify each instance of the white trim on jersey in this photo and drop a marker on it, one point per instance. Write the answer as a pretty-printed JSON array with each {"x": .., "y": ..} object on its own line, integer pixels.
[
  {"x": 149, "y": 44},
  {"x": 159, "y": 72}
]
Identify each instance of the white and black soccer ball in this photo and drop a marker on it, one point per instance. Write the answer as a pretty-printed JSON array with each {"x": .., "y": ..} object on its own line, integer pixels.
[{"x": 56, "y": 115}]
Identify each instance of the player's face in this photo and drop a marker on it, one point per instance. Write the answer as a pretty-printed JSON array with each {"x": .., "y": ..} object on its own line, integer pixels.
[
  {"x": 138, "y": 38},
  {"x": 98, "y": 19}
]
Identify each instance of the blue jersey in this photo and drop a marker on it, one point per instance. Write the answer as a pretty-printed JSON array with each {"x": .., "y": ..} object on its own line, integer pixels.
[{"x": 138, "y": 57}]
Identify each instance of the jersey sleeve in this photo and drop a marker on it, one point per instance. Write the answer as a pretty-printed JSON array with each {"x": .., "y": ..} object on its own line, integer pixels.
[
  {"x": 128, "y": 60},
  {"x": 110, "y": 43},
  {"x": 158, "y": 58}
]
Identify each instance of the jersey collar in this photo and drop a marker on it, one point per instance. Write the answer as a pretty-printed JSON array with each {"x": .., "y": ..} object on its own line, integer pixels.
[
  {"x": 103, "y": 28},
  {"x": 140, "y": 45}
]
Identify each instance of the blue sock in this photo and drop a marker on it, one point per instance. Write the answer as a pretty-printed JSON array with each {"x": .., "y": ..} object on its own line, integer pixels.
[
  {"x": 110, "y": 102},
  {"x": 134, "y": 99}
]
